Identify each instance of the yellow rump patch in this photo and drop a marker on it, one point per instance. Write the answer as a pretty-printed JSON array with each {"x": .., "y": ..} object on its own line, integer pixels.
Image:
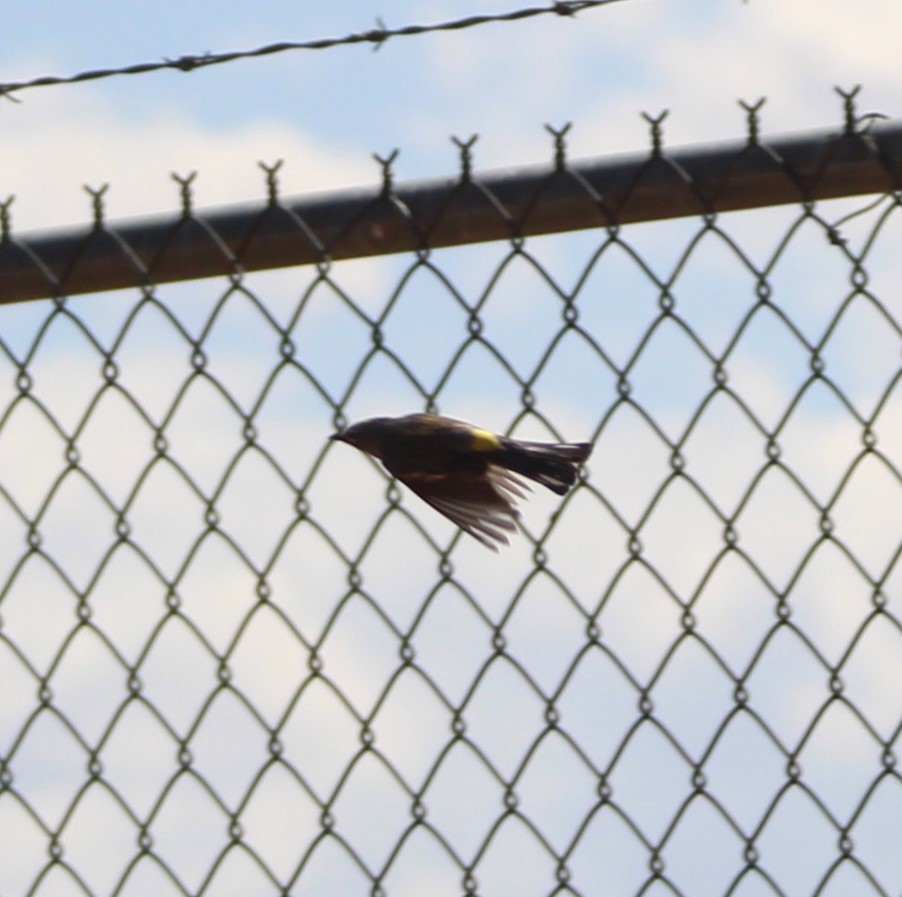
[{"x": 484, "y": 441}]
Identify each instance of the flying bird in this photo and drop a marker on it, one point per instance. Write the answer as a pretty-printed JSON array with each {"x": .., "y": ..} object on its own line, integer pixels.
[{"x": 470, "y": 475}]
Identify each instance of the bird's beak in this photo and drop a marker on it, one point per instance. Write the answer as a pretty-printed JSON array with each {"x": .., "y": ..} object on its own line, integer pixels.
[{"x": 337, "y": 437}]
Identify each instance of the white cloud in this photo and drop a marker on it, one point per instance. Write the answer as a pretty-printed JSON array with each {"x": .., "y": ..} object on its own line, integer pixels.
[{"x": 52, "y": 145}]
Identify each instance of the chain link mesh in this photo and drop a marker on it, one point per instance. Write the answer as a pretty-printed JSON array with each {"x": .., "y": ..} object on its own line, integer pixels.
[{"x": 239, "y": 659}]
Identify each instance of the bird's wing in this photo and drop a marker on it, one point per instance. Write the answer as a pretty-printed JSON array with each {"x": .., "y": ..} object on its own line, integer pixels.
[{"x": 480, "y": 504}]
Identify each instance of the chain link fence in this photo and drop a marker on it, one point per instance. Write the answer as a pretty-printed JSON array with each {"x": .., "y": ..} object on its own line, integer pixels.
[{"x": 238, "y": 659}]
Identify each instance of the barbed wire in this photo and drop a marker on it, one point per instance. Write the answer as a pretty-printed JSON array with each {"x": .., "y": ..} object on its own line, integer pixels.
[{"x": 376, "y": 36}]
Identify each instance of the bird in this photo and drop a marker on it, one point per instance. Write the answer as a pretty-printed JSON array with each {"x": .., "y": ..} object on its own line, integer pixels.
[{"x": 470, "y": 475}]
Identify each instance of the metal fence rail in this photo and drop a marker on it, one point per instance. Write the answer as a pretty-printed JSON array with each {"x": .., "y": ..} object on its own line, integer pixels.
[
  {"x": 458, "y": 211},
  {"x": 238, "y": 659}
]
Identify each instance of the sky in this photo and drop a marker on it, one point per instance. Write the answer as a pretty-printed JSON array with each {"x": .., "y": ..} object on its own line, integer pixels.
[{"x": 325, "y": 113}]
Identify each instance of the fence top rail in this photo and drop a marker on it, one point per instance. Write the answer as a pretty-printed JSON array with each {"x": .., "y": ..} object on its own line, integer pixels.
[{"x": 468, "y": 208}]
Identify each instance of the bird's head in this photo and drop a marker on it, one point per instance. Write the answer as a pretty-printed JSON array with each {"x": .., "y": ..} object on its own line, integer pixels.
[{"x": 367, "y": 436}]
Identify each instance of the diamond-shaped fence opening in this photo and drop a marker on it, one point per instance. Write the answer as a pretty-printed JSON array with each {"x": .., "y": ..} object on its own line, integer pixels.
[{"x": 237, "y": 658}]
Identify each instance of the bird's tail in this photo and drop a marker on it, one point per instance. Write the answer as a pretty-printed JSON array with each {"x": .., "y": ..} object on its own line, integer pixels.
[{"x": 553, "y": 465}]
